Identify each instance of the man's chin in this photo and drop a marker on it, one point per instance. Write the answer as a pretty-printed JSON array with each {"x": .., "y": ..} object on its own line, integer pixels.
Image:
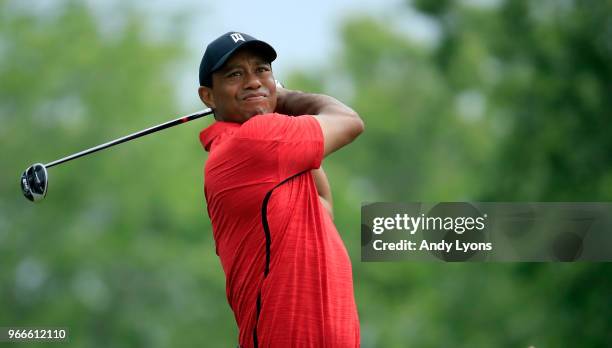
[{"x": 258, "y": 111}]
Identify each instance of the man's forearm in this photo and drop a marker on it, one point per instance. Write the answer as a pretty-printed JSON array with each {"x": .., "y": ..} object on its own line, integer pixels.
[{"x": 295, "y": 103}]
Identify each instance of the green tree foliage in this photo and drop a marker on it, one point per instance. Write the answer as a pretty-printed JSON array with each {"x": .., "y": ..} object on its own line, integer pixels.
[
  {"x": 120, "y": 251},
  {"x": 508, "y": 104}
]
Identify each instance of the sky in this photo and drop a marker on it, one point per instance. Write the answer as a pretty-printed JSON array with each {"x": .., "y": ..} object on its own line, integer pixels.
[{"x": 305, "y": 34}]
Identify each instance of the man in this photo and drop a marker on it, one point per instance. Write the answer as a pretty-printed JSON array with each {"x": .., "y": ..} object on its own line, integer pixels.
[{"x": 288, "y": 275}]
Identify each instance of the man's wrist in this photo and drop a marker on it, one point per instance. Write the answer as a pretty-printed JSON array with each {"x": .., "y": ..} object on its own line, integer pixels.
[
  {"x": 296, "y": 103},
  {"x": 287, "y": 101}
]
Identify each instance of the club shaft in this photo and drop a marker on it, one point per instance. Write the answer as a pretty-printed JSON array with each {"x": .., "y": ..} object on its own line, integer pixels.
[{"x": 132, "y": 136}]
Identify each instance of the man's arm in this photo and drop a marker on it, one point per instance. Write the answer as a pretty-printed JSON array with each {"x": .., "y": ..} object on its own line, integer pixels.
[
  {"x": 324, "y": 190},
  {"x": 339, "y": 123}
]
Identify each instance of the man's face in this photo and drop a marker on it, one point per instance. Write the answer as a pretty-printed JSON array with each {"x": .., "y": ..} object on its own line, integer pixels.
[{"x": 242, "y": 88}]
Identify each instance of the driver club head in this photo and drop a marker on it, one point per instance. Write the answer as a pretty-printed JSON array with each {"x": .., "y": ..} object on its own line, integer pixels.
[{"x": 34, "y": 182}]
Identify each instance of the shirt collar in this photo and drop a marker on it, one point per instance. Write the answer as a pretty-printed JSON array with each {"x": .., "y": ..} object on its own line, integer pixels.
[{"x": 217, "y": 130}]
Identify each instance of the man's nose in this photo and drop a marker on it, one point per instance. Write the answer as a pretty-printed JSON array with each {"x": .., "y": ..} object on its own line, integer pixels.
[{"x": 252, "y": 81}]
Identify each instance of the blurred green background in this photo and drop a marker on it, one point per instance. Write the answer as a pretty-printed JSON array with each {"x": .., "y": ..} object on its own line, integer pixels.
[{"x": 509, "y": 101}]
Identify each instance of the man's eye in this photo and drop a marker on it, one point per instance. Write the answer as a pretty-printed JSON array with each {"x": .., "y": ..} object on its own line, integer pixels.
[
  {"x": 234, "y": 74},
  {"x": 263, "y": 69}
]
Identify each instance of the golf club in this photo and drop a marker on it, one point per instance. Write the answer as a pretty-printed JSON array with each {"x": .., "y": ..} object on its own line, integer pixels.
[{"x": 35, "y": 180}]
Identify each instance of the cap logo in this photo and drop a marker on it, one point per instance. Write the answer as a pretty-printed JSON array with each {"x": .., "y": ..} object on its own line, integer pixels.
[{"x": 237, "y": 37}]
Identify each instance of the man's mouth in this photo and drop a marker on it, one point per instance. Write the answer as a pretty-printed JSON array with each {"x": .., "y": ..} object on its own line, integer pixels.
[{"x": 253, "y": 97}]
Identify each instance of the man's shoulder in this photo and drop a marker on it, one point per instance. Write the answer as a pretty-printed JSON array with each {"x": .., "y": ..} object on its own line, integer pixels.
[
  {"x": 264, "y": 126},
  {"x": 279, "y": 127},
  {"x": 271, "y": 117}
]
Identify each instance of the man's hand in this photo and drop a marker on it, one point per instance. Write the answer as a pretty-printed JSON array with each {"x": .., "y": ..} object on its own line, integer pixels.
[{"x": 281, "y": 96}]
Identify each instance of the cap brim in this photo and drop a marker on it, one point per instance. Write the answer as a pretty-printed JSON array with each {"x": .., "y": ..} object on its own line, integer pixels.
[{"x": 268, "y": 52}]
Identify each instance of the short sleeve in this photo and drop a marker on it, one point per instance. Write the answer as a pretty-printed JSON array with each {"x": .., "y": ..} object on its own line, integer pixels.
[{"x": 297, "y": 141}]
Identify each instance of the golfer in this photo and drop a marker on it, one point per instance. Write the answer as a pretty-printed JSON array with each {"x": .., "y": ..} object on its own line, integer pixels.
[{"x": 288, "y": 275}]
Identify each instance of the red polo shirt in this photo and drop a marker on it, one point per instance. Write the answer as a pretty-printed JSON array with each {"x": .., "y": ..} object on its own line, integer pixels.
[{"x": 288, "y": 275}]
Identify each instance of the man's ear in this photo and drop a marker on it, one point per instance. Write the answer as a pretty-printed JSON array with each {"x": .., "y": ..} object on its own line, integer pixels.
[{"x": 206, "y": 96}]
